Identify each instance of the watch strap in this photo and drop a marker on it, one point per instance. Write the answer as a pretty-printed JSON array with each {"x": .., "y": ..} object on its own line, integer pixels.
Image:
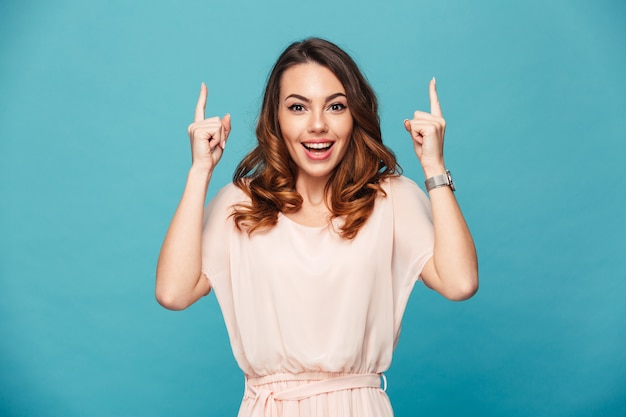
[{"x": 442, "y": 180}]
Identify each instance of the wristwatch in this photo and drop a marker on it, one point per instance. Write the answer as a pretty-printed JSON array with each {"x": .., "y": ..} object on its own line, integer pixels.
[{"x": 442, "y": 180}]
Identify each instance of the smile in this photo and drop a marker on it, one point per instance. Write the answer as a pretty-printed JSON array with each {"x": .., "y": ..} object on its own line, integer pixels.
[{"x": 318, "y": 146}]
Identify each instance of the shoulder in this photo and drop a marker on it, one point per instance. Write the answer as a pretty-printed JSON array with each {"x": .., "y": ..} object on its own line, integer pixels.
[
  {"x": 400, "y": 181},
  {"x": 401, "y": 185},
  {"x": 225, "y": 199},
  {"x": 405, "y": 195},
  {"x": 230, "y": 194}
]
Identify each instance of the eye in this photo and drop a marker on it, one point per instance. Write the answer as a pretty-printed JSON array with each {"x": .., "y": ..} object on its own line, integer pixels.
[
  {"x": 296, "y": 107},
  {"x": 337, "y": 107}
]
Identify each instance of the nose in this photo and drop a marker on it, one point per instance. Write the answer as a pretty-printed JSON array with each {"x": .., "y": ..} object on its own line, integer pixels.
[{"x": 317, "y": 122}]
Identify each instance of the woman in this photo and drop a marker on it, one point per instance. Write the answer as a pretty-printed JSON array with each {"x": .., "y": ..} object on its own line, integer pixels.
[{"x": 315, "y": 247}]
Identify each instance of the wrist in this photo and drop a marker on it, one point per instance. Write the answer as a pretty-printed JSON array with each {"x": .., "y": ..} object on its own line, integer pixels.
[
  {"x": 434, "y": 169},
  {"x": 439, "y": 180},
  {"x": 199, "y": 174}
]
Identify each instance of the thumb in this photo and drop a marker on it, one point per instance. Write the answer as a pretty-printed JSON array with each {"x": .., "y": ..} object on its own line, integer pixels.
[
  {"x": 407, "y": 125},
  {"x": 226, "y": 129},
  {"x": 226, "y": 124}
]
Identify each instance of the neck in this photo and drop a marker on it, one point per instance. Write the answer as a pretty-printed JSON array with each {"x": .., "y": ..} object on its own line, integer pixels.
[{"x": 312, "y": 191}]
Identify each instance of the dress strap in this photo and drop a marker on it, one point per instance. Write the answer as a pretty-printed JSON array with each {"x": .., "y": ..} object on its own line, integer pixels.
[{"x": 265, "y": 399}]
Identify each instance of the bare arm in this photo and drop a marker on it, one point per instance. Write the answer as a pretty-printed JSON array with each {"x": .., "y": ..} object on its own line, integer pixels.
[
  {"x": 179, "y": 279},
  {"x": 453, "y": 269}
]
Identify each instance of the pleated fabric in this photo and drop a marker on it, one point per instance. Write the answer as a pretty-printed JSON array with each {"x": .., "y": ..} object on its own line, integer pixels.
[{"x": 301, "y": 300}]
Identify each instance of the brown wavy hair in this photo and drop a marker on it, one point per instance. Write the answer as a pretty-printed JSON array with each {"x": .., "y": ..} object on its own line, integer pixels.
[{"x": 268, "y": 174}]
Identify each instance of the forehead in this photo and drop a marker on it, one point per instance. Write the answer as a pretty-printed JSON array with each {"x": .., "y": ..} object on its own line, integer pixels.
[{"x": 310, "y": 78}]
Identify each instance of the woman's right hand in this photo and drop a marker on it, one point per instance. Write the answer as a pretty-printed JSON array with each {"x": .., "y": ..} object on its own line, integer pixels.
[{"x": 208, "y": 136}]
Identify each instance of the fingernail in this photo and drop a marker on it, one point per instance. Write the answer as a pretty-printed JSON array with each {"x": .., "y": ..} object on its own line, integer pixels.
[
  {"x": 223, "y": 145},
  {"x": 435, "y": 80}
]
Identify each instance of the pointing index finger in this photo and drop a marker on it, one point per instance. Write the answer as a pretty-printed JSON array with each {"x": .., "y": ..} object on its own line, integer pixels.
[
  {"x": 435, "y": 108},
  {"x": 200, "y": 107}
]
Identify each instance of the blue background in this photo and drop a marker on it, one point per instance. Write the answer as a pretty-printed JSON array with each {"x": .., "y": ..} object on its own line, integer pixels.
[{"x": 95, "y": 98}]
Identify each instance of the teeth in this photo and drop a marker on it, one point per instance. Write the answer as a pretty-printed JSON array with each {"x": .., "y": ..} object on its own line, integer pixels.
[{"x": 318, "y": 146}]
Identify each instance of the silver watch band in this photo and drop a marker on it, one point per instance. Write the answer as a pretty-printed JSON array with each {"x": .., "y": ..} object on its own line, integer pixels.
[{"x": 442, "y": 180}]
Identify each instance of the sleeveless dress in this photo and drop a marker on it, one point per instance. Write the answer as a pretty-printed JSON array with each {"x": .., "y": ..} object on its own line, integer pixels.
[{"x": 312, "y": 318}]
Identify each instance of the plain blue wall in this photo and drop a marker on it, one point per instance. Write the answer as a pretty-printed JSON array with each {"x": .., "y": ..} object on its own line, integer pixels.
[{"x": 95, "y": 98}]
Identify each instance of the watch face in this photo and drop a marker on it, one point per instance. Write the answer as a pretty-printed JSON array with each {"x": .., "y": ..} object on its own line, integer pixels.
[{"x": 452, "y": 187}]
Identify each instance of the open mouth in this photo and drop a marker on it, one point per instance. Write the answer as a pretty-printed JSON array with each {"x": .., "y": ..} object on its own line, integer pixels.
[{"x": 318, "y": 147}]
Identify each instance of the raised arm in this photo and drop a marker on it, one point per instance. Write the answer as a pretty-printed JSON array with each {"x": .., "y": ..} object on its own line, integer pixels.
[
  {"x": 453, "y": 269},
  {"x": 179, "y": 279}
]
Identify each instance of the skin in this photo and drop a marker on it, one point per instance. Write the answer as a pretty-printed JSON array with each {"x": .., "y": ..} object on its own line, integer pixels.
[
  {"x": 179, "y": 280},
  {"x": 313, "y": 111},
  {"x": 453, "y": 269},
  {"x": 309, "y": 112}
]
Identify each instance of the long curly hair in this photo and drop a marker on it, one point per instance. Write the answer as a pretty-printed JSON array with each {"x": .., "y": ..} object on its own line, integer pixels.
[{"x": 268, "y": 174}]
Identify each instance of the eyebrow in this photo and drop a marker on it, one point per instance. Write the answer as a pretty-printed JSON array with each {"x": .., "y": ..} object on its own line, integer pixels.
[{"x": 307, "y": 100}]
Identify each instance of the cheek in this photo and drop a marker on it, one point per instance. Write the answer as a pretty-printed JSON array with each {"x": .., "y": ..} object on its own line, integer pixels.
[
  {"x": 288, "y": 127},
  {"x": 346, "y": 129}
]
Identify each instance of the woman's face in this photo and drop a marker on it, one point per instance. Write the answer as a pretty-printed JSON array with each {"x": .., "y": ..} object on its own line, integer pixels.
[{"x": 314, "y": 119}]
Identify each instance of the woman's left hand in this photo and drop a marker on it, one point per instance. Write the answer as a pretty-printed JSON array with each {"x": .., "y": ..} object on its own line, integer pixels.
[{"x": 427, "y": 131}]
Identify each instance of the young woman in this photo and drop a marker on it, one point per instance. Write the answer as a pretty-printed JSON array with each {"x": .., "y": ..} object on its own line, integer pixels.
[{"x": 314, "y": 248}]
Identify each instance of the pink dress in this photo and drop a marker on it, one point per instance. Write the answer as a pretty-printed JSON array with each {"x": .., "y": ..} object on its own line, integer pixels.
[{"x": 312, "y": 318}]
